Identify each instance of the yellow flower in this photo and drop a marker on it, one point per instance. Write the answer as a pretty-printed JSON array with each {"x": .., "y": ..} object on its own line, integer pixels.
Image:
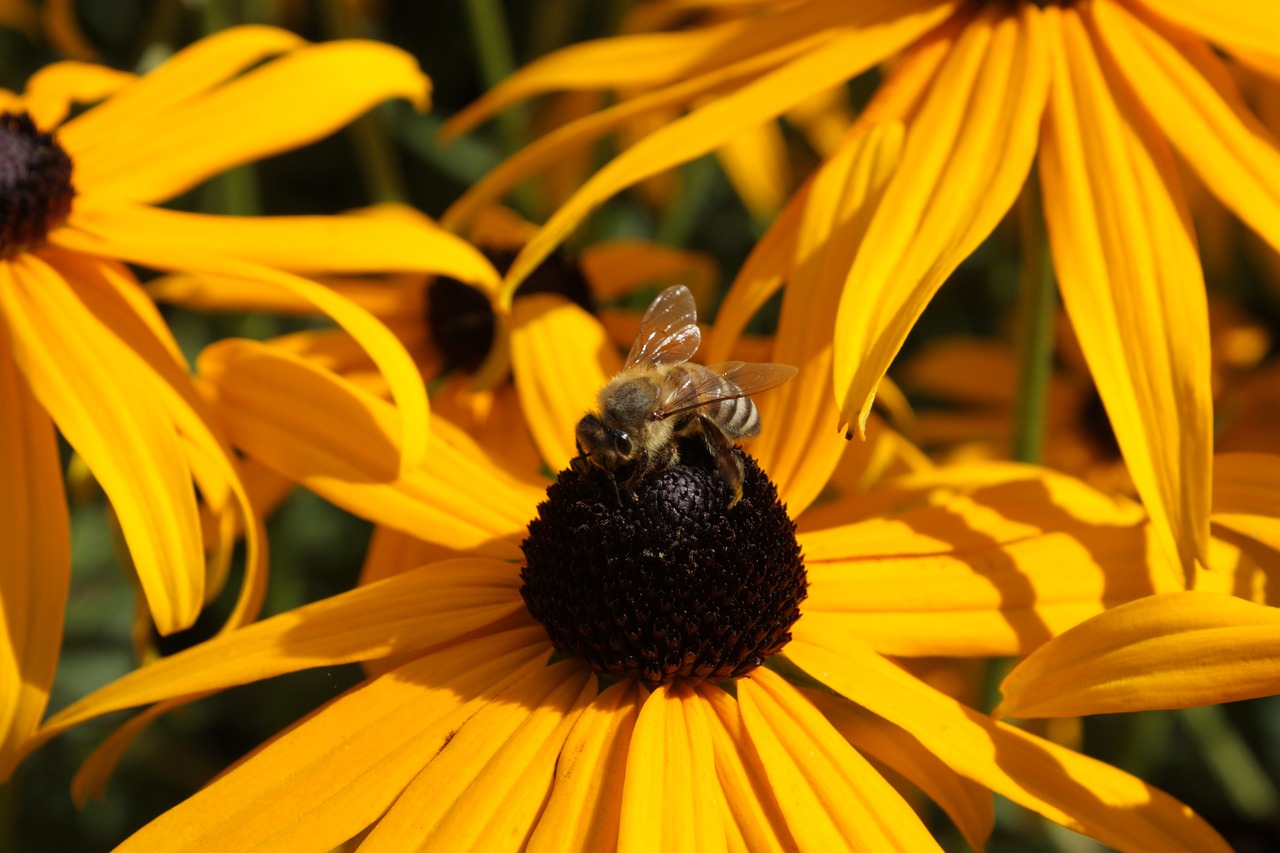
[
  {"x": 82, "y": 349},
  {"x": 1104, "y": 91},
  {"x": 466, "y": 735}
]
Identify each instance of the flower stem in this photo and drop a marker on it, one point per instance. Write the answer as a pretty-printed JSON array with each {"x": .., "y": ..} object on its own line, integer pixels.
[
  {"x": 492, "y": 40},
  {"x": 379, "y": 162},
  {"x": 235, "y": 192},
  {"x": 1035, "y": 329}
]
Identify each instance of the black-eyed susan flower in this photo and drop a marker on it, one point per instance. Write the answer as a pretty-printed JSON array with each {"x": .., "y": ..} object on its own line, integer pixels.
[
  {"x": 672, "y": 718},
  {"x": 1101, "y": 93},
  {"x": 83, "y": 349}
]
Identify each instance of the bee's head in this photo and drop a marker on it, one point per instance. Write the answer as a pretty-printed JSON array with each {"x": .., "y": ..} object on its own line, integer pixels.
[{"x": 605, "y": 446}]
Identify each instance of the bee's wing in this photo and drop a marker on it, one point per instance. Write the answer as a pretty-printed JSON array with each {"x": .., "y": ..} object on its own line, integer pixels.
[
  {"x": 704, "y": 387},
  {"x": 669, "y": 331}
]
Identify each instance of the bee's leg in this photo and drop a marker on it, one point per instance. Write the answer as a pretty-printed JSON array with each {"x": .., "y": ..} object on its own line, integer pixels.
[
  {"x": 640, "y": 466},
  {"x": 727, "y": 462}
]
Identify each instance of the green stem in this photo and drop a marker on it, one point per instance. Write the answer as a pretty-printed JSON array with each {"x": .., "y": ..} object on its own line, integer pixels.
[
  {"x": 235, "y": 192},
  {"x": 379, "y": 165},
  {"x": 1035, "y": 312},
  {"x": 695, "y": 182},
  {"x": 1244, "y": 782},
  {"x": 492, "y": 40}
]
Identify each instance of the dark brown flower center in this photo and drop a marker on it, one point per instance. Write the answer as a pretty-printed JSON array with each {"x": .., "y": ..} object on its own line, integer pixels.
[
  {"x": 1097, "y": 426},
  {"x": 667, "y": 584},
  {"x": 35, "y": 184},
  {"x": 461, "y": 320}
]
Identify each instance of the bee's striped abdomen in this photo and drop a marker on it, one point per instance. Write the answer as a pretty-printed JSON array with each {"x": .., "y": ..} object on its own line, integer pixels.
[{"x": 738, "y": 417}]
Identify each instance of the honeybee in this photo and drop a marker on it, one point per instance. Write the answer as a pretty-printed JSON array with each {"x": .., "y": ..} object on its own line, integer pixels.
[{"x": 659, "y": 397}]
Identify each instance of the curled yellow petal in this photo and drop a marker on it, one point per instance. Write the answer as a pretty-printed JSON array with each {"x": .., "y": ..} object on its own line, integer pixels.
[
  {"x": 203, "y": 65},
  {"x": 297, "y": 99},
  {"x": 799, "y": 445},
  {"x": 343, "y": 443},
  {"x": 359, "y": 242},
  {"x": 53, "y": 90},
  {"x": 96, "y": 232},
  {"x": 110, "y": 408},
  {"x": 1176, "y": 650},
  {"x": 35, "y": 552},
  {"x": 841, "y": 57}
]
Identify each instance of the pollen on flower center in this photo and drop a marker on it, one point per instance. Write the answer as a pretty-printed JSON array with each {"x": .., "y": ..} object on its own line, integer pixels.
[
  {"x": 665, "y": 584},
  {"x": 35, "y": 184}
]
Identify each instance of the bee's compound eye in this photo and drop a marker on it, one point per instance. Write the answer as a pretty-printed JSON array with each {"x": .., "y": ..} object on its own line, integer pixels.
[{"x": 622, "y": 444}]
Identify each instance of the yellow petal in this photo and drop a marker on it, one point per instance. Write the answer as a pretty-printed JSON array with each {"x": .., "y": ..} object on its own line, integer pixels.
[
  {"x": 116, "y": 300},
  {"x": 761, "y": 276},
  {"x": 671, "y": 799},
  {"x": 488, "y": 784},
  {"x": 497, "y": 423},
  {"x": 282, "y": 105},
  {"x": 1242, "y": 24},
  {"x": 1130, "y": 279},
  {"x": 1246, "y": 495},
  {"x": 1177, "y": 650},
  {"x": 560, "y": 359},
  {"x": 108, "y": 406},
  {"x": 430, "y": 606},
  {"x": 799, "y": 445},
  {"x": 586, "y": 800},
  {"x": 757, "y": 163},
  {"x": 653, "y": 60},
  {"x": 550, "y": 150},
  {"x": 54, "y": 89},
  {"x": 35, "y": 552},
  {"x": 988, "y": 95},
  {"x": 1068, "y": 788},
  {"x": 752, "y": 803},
  {"x": 617, "y": 268},
  {"x": 996, "y": 570},
  {"x": 1214, "y": 130},
  {"x": 833, "y": 798},
  {"x": 345, "y": 243},
  {"x": 968, "y": 804},
  {"x": 97, "y": 233},
  {"x": 328, "y": 778},
  {"x": 848, "y": 53},
  {"x": 187, "y": 73},
  {"x": 342, "y": 443}
]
